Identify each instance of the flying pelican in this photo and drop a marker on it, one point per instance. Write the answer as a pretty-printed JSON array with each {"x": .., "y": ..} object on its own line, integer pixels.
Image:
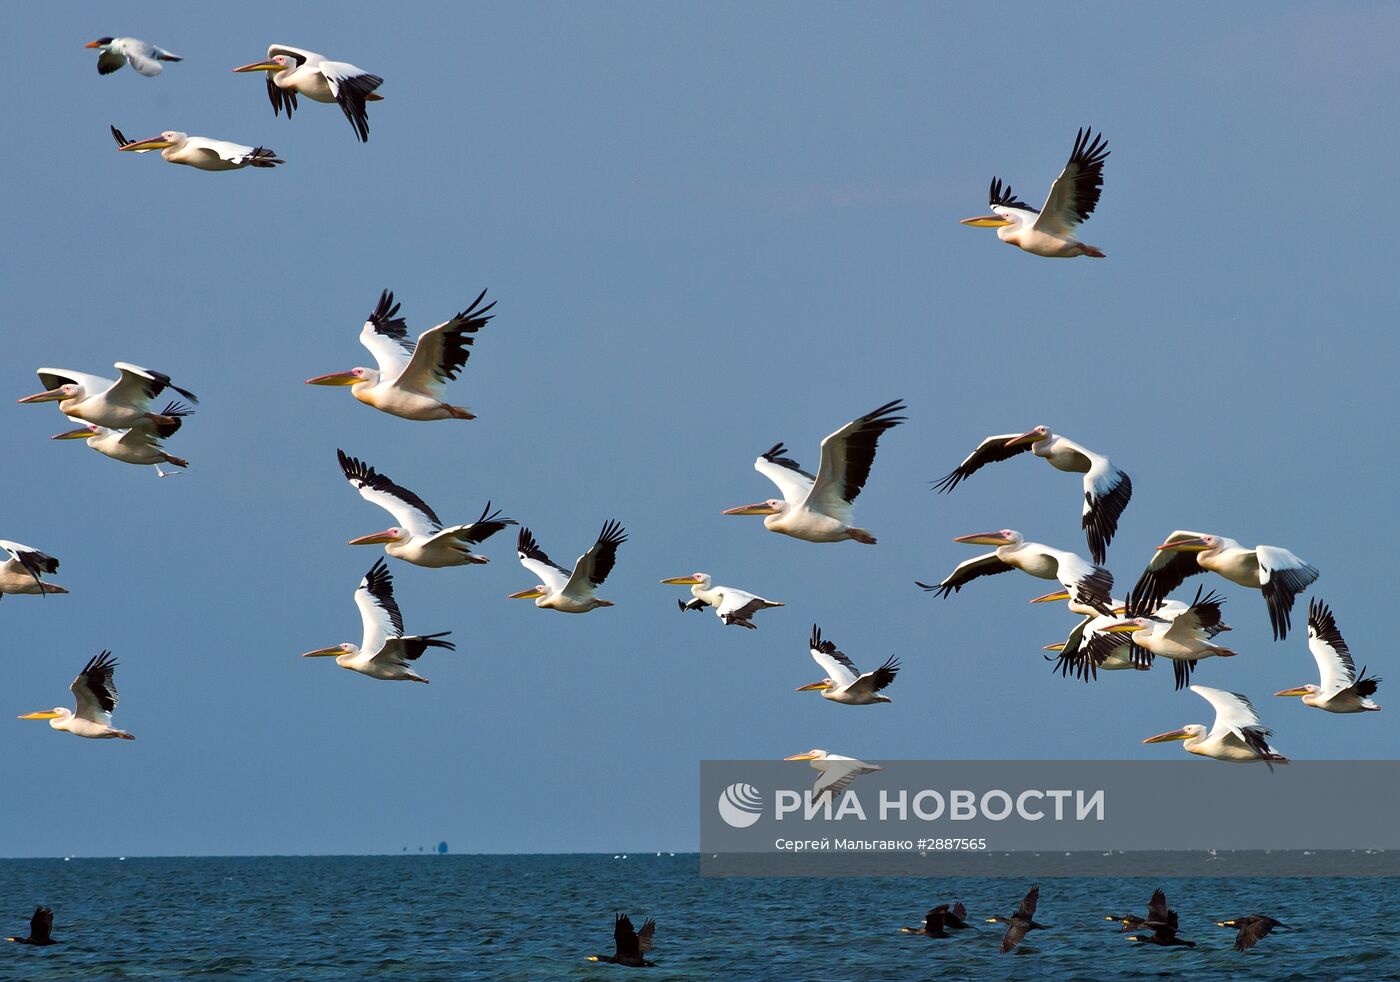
[
  {"x": 97, "y": 699},
  {"x": 1081, "y": 656},
  {"x": 844, "y": 683},
  {"x": 1020, "y": 922},
  {"x": 938, "y": 919},
  {"x": 1076, "y": 606},
  {"x": 200, "y": 152},
  {"x": 420, "y": 537},
  {"x": 22, "y": 571},
  {"x": 411, "y": 375},
  {"x": 1088, "y": 585},
  {"x": 384, "y": 651},
  {"x": 565, "y": 591},
  {"x": 295, "y": 71},
  {"x": 40, "y": 929},
  {"x": 1277, "y": 572},
  {"x": 145, "y": 57},
  {"x": 731, "y": 606},
  {"x": 1342, "y": 689},
  {"x": 836, "y": 772},
  {"x": 820, "y": 508},
  {"x": 1156, "y": 914},
  {"x": 1050, "y": 231},
  {"x": 1237, "y": 735},
  {"x": 1251, "y": 929},
  {"x": 1183, "y": 634},
  {"x": 116, "y": 404},
  {"x": 140, "y": 445},
  {"x": 1106, "y": 488},
  {"x": 630, "y": 944}
]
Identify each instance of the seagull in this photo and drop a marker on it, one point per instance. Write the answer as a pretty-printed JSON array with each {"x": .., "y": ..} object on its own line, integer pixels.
[
  {"x": 1087, "y": 584},
  {"x": 1251, "y": 929},
  {"x": 1341, "y": 690},
  {"x": 565, "y": 591},
  {"x": 1050, "y": 231},
  {"x": 22, "y": 571},
  {"x": 40, "y": 929},
  {"x": 1020, "y": 922},
  {"x": 420, "y": 537},
  {"x": 118, "y": 404},
  {"x": 1106, "y": 488},
  {"x": 820, "y": 508},
  {"x": 837, "y": 772},
  {"x": 1237, "y": 736},
  {"x": 295, "y": 71},
  {"x": 384, "y": 651},
  {"x": 1275, "y": 571},
  {"x": 1183, "y": 634},
  {"x": 140, "y": 445},
  {"x": 200, "y": 152},
  {"x": 731, "y": 606},
  {"x": 97, "y": 699},
  {"x": 844, "y": 683},
  {"x": 411, "y": 375},
  {"x": 630, "y": 944},
  {"x": 145, "y": 57},
  {"x": 939, "y": 919}
]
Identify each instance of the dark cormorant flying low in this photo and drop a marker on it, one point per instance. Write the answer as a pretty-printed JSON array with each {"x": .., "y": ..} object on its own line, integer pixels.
[
  {"x": 631, "y": 944},
  {"x": 1251, "y": 929},
  {"x": 1163, "y": 922},
  {"x": 1156, "y": 913},
  {"x": 937, "y": 920},
  {"x": 1020, "y": 922},
  {"x": 40, "y": 928}
]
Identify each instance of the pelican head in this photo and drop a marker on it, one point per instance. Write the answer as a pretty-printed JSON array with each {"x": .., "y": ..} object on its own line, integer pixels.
[
  {"x": 1191, "y": 731},
  {"x": 1301, "y": 690},
  {"x": 353, "y": 377},
  {"x": 81, "y": 433},
  {"x": 773, "y": 506},
  {"x": 58, "y": 716},
  {"x": 1033, "y": 435},
  {"x": 99, "y": 43},
  {"x": 394, "y": 534},
  {"x": 1201, "y": 543},
  {"x": 61, "y": 394},
  {"x": 1005, "y": 537},
  {"x": 170, "y": 138},
  {"x": 1000, "y": 218},
  {"x": 1129, "y": 626},
  {"x": 273, "y": 65},
  {"x": 702, "y": 580},
  {"x": 535, "y": 593},
  {"x": 809, "y": 755},
  {"x": 821, "y": 686}
]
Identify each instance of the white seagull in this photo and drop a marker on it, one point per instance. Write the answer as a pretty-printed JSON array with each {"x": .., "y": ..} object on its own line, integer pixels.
[
  {"x": 732, "y": 606},
  {"x": 419, "y": 537},
  {"x": 384, "y": 651},
  {"x": 844, "y": 683},
  {"x": 1089, "y": 586},
  {"x": 1184, "y": 633},
  {"x": 1106, "y": 488},
  {"x": 1237, "y": 735},
  {"x": 1050, "y": 231},
  {"x": 836, "y": 772},
  {"x": 1342, "y": 689},
  {"x": 565, "y": 591},
  {"x": 411, "y": 376},
  {"x": 22, "y": 572},
  {"x": 1277, "y": 572},
  {"x": 296, "y": 71},
  {"x": 118, "y": 404},
  {"x": 140, "y": 445},
  {"x": 97, "y": 699},
  {"x": 200, "y": 152},
  {"x": 820, "y": 508},
  {"x": 145, "y": 57}
]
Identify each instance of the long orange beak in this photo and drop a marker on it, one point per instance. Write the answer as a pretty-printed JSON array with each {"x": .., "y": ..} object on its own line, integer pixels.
[
  {"x": 761, "y": 508},
  {"x": 52, "y": 395},
  {"x": 260, "y": 66},
  {"x": 1298, "y": 691},
  {"x": 1029, "y": 437},
  {"x": 983, "y": 539},
  {"x": 810, "y": 688},
  {"x": 334, "y": 378},
  {"x": 370, "y": 540},
  {"x": 985, "y": 221},
  {"x": 1184, "y": 545},
  {"x": 1168, "y": 736}
]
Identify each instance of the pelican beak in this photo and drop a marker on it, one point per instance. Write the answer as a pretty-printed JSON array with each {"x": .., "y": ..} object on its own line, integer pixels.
[
  {"x": 681, "y": 580},
  {"x": 529, "y": 594},
  {"x": 52, "y": 395},
  {"x": 813, "y": 687},
  {"x": 82, "y": 433},
  {"x": 1030, "y": 437},
  {"x": 45, "y": 714},
  {"x": 154, "y": 143},
  {"x": 370, "y": 540},
  {"x": 807, "y": 756},
  {"x": 260, "y": 66},
  {"x": 1122, "y": 628},
  {"x": 322, "y": 652},
  {"x": 1050, "y": 598},
  {"x": 1184, "y": 545},
  {"x": 986, "y": 221},
  {"x": 334, "y": 378},
  {"x": 1057, "y": 646},
  {"x": 1168, "y": 737},
  {"x": 1299, "y": 691},
  {"x": 762, "y": 508},
  {"x": 982, "y": 539}
]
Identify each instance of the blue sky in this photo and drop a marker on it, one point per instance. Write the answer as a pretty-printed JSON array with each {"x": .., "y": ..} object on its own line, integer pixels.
[{"x": 708, "y": 228}]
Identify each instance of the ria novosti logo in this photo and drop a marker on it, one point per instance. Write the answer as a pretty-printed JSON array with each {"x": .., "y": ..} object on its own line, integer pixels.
[{"x": 740, "y": 805}]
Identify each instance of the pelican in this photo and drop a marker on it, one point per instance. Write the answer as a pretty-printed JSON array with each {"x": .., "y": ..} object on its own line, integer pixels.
[
  {"x": 629, "y": 944},
  {"x": 1341, "y": 690},
  {"x": 1183, "y": 633},
  {"x": 1088, "y": 585},
  {"x": 1077, "y": 606},
  {"x": 384, "y": 651},
  {"x": 295, "y": 71},
  {"x": 1250, "y": 930},
  {"x": 820, "y": 508},
  {"x": 145, "y": 57},
  {"x": 1050, "y": 231},
  {"x": 411, "y": 375},
  {"x": 836, "y": 772},
  {"x": 1237, "y": 735},
  {"x": 1277, "y": 572},
  {"x": 565, "y": 591},
  {"x": 140, "y": 445},
  {"x": 731, "y": 606},
  {"x": 844, "y": 683},
  {"x": 118, "y": 404},
  {"x": 97, "y": 699},
  {"x": 22, "y": 571},
  {"x": 200, "y": 152},
  {"x": 420, "y": 537},
  {"x": 40, "y": 929},
  {"x": 1081, "y": 656},
  {"x": 1106, "y": 488},
  {"x": 938, "y": 919},
  {"x": 1021, "y": 921}
]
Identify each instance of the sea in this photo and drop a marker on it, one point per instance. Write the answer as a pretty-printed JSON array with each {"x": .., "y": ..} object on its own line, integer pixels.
[{"x": 539, "y": 917}]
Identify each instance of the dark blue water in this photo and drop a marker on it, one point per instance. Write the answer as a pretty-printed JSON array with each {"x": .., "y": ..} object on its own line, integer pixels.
[{"x": 537, "y": 917}]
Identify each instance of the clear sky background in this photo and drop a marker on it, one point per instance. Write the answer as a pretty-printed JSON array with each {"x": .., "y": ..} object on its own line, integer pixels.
[{"x": 708, "y": 228}]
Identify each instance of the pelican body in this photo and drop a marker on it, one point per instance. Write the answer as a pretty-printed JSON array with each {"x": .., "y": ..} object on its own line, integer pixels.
[
  {"x": 1087, "y": 585},
  {"x": 140, "y": 445},
  {"x": 22, "y": 572},
  {"x": 1342, "y": 688},
  {"x": 844, "y": 683},
  {"x": 570, "y": 592},
  {"x": 119, "y": 404},
  {"x": 200, "y": 152},
  {"x": 143, "y": 56},
  {"x": 731, "y": 606},
  {"x": 1237, "y": 736},
  {"x": 295, "y": 71},
  {"x": 96, "y": 696},
  {"x": 835, "y": 772},
  {"x": 1183, "y": 633}
]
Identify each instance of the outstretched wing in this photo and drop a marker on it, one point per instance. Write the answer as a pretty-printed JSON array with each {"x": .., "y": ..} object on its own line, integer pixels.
[
  {"x": 594, "y": 565},
  {"x": 1026, "y": 911},
  {"x": 409, "y": 510},
  {"x": 32, "y": 560},
  {"x": 351, "y": 86},
  {"x": 95, "y": 691},
  {"x": 846, "y": 458},
  {"x": 142, "y": 55},
  {"x": 793, "y": 482},
  {"x": 1282, "y": 576},
  {"x": 833, "y": 662},
  {"x": 965, "y": 572},
  {"x": 484, "y": 527},
  {"x": 1166, "y": 571},
  {"x": 989, "y": 451},
  {"x": 1076, "y": 191},
  {"x": 1329, "y": 649},
  {"x": 880, "y": 678},
  {"x": 533, "y": 558},
  {"x": 385, "y": 334},
  {"x": 625, "y": 936},
  {"x": 1107, "y": 491},
  {"x": 443, "y": 351},
  {"x": 379, "y": 611},
  {"x": 137, "y": 386}
]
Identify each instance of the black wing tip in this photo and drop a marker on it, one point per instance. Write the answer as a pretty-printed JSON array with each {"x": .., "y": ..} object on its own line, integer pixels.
[
  {"x": 119, "y": 136},
  {"x": 1001, "y": 194},
  {"x": 613, "y": 534}
]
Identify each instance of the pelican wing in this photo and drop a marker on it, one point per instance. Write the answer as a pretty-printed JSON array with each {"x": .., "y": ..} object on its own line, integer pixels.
[
  {"x": 533, "y": 558},
  {"x": 989, "y": 451},
  {"x": 1282, "y": 576},
  {"x": 965, "y": 572},
  {"x": 300, "y": 55},
  {"x": 837, "y": 773},
  {"x": 832, "y": 660},
  {"x": 410, "y": 647},
  {"x": 1201, "y": 620},
  {"x": 1166, "y": 571},
  {"x": 1076, "y": 191},
  {"x": 379, "y": 611},
  {"x": 739, "y": 604},
  {"x": 442, "y": 351},
  {"x": 95, "y": 691},
  {"x": 32, "y": 560},
  {"x": 385, "y": 334},
  {"x": 793, "y": 482},
  {"x": 594, "y": 565},
  {"x": 484, "y": 527},
  {"x": 137, "y": 386},
  {"x": 1107, "y": 491},
  {"x": 879, "y": 679},
  {"x": 1329, "y": 649},
  {"x": 1233, "y": 712},
  {"x": 350, "y": 86},
  {"x": 52, "y": 378},
  {"x": 410, "y": 511},
  {"x": 1088, "y": 584},
  {"x": 846, "y": 458}
]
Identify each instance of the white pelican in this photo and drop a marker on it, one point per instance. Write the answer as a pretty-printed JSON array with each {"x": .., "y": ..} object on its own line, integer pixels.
[
  {"x": 420, "y": 537},
  {"x": 1106, "y": 488},
  {"x": 1277, "y": 572},
  {"x": 1237, "y": 735},
  {"x": 384, "y": 651},
  {"x": 1342, "y": 689},
  {"x": 295, "y": 71},
  {"x": 1088, "y": 585},
  {"x": 22, "y": 571},
  {"x": 97, "y": 699},
  {"x": 145, "y": 57},
  {"x": 117, "y": 404},
  {"x": 837, "y": 772},
  {"x": 561, "y": 590},
  {"x": 1080, "y": 656},
  {"x": 200, "y": 152},
  {"x": 1050, "y": 231},
  {"x": 844, "y": 683},
  {"x": 1076, "y": 606},
  {"x": 731, "y": 606},
  {"x": 134, "y": 446},
  {"x": 411, "y": 375},
  {"x": 820, "y": 508},
  {"x": 1185, "y": 633}
]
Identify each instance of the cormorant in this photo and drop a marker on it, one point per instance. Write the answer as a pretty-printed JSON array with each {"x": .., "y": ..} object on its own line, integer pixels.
[
  {"x": 1020, "y": 922},
  {"x": 631, "y": 944},
  {"x": 1251, "y": 929},
  {"x": 40, "y": 929}
]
